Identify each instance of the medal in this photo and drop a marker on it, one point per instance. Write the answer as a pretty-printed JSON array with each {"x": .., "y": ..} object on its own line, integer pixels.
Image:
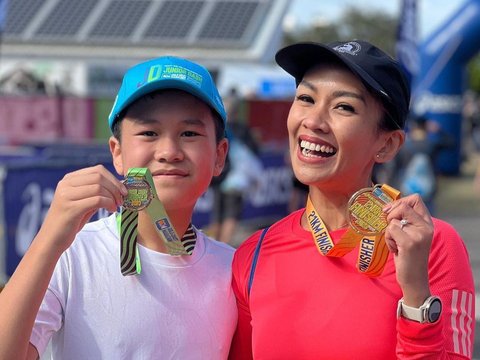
[
  {"x": 139, "y": 193},
  {"x": 142, "y": 196},
  {"x": 365, "y": 213},
  {"x": 367, "y": 229}
]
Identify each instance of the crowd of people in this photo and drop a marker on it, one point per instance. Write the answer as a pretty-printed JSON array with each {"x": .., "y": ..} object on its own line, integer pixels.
[{"x": 356, "y": 263}]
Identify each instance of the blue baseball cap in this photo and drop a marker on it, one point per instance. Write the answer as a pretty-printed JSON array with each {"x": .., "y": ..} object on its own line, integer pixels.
[{"x": 167, "y": 72}]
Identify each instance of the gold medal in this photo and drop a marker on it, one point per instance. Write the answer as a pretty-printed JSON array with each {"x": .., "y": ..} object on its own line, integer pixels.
[
  {"x": 367, "y": 229},
  {"x": 365, "y": 213},
  {"x": 139, "y": 193}
]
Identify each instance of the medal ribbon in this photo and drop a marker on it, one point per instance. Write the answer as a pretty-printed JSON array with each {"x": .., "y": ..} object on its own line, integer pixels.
[
  {"x": 373, "y": 252},
  {"x": 128, "y": 223}
]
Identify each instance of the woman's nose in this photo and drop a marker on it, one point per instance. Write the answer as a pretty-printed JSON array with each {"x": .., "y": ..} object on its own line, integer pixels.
[{"x": 317, "y": 119}]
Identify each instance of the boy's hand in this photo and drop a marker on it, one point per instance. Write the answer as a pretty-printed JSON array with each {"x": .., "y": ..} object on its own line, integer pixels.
[{"x": 77, "y": 197}]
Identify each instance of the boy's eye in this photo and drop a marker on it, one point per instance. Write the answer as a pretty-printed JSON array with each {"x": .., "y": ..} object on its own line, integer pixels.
[
  {"x": 149, "y": 133},
  {"x": 189, "y": 133}
]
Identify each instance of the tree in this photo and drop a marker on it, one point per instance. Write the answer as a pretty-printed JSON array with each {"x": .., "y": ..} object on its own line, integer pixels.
[
  {"x": 474, "y": 74},
  {"x": 377, "y": 27}
]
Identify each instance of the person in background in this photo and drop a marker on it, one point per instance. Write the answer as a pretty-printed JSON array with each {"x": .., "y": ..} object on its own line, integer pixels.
[
  {"x": 418, "y": 158},
  {"x": 243, "y": 175},
  {"x": 360, "y": 272},
  {"x": 168, "y": 118}
]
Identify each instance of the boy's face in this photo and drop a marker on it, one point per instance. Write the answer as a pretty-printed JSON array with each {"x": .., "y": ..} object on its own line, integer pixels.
[{"x": 171, "y": 133}]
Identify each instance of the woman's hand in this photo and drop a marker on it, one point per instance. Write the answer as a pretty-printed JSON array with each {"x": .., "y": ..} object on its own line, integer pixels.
[{"x": 409, "y": 237}]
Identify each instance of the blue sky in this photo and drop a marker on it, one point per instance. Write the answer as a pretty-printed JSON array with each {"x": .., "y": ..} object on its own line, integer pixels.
[{"x": 432, "y": 13}]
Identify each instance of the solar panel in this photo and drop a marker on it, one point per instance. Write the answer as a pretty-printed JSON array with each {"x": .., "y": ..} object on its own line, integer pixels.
[
  {"x": 66, "y": 18},
  {"x": 174, "y": 20},
  {"x": 229, "y": 20},
  {"x": 19, "y": 15},
  {"x": 120, "y": 19},
  {"x": 59, "y": 27}
]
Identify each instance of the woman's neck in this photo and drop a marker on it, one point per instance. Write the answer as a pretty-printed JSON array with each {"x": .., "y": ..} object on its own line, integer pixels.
[
  {"x": 331, "y": 203},
  {"x": 332, "y": 208}
]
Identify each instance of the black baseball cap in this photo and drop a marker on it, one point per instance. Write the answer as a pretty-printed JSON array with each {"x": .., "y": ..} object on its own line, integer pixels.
[{"x": 378, "y": 71}]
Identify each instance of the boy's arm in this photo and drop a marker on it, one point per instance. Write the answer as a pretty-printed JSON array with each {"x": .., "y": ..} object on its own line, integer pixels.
[{"x": 77, "y": 197}]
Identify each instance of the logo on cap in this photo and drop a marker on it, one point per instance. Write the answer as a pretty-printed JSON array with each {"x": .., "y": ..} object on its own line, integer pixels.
[{"x": 350, "y": 47}]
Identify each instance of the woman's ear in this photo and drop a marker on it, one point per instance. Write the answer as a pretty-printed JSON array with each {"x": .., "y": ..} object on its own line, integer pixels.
[
  {"x": 393, "y": 142},
  {"x": 222, "y": 149},
  {"x": 116, "y": 151}
]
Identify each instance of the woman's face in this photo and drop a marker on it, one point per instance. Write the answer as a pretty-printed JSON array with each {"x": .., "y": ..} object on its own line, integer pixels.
[{"x": 333, "y": 130}]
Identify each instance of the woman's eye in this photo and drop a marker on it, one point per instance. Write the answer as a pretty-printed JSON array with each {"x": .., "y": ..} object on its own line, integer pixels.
[
  {"x": 305, "y": 98},
  {"x": 345, "y": 107}
]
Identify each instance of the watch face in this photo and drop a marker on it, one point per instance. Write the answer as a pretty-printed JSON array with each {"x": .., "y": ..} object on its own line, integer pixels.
[{"x": 434, "y": 310}]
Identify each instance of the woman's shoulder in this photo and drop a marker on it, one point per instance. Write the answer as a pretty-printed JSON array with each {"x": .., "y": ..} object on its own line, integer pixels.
[
  {"x": 443, "y": 228},
  {"x": 446, "y": 239},
  {"x": 247, "y": 248}
]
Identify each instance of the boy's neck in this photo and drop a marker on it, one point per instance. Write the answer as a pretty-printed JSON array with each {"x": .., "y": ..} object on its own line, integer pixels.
[{"x": 148, "y": 236}]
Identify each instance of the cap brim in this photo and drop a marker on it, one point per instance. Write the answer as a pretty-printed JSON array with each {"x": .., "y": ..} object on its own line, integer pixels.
[
  {"x": 297, "y": 59},
  {"x": 165, "y": 84}
]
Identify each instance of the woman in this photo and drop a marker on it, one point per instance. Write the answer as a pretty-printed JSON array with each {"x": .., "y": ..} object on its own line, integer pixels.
[{"x": 360, "y": 273}]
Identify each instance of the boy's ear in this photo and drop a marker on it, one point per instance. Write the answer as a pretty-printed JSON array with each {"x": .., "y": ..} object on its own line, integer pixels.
[
  {"x": 116, "y": 151},
  {"x": 222, "y": 150},
  {"x": 393, "y": 142}
]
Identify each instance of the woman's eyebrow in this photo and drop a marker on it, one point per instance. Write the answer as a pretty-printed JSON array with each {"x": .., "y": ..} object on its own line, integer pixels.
[
  {"x": 344, "y": 93},
  {"x": 338, "y": 93}
]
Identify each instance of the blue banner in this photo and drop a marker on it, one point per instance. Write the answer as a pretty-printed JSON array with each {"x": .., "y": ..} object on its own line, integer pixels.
[
  {"x": 438, "y": 89},
  {"x": 27, "y": 186},
  {"x": 3, "y": 14},
  {"x": 407, "y": 39}
]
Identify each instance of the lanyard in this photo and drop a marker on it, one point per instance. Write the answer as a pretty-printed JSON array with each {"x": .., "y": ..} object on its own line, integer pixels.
[
  {"x": 367, "y": 229},
  {"x": 142, "y": 195}
]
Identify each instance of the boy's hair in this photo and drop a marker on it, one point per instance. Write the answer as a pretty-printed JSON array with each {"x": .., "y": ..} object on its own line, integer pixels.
[{"x": 168, "y": 72}]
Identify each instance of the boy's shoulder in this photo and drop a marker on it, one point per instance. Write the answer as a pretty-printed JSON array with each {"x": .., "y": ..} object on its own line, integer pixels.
[
  {"x": 104, "y": 224},
  {"x": 215, "y": 245},
  {"x": 218, "y": 254},
  {"x": 103, "y": 230}
]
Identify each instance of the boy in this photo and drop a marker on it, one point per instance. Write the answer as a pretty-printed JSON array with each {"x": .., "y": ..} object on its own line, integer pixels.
[{"x": 169, "y": 118}]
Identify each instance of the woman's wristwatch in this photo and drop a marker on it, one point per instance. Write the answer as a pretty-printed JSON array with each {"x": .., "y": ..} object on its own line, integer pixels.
[{"x": 428, "y": 312}]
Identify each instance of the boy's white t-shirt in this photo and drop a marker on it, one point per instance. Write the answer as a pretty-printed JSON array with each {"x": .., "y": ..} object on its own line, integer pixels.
[{"x": 179, "y": 307}]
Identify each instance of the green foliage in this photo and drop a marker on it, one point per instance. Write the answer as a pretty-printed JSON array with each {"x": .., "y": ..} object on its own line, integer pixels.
[
  {"x": 474, "y": 74},
  {"x": 377, "y": 27}
]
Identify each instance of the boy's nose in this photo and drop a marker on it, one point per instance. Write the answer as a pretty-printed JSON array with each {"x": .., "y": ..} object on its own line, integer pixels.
[{"x": 168, "y": 150}]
